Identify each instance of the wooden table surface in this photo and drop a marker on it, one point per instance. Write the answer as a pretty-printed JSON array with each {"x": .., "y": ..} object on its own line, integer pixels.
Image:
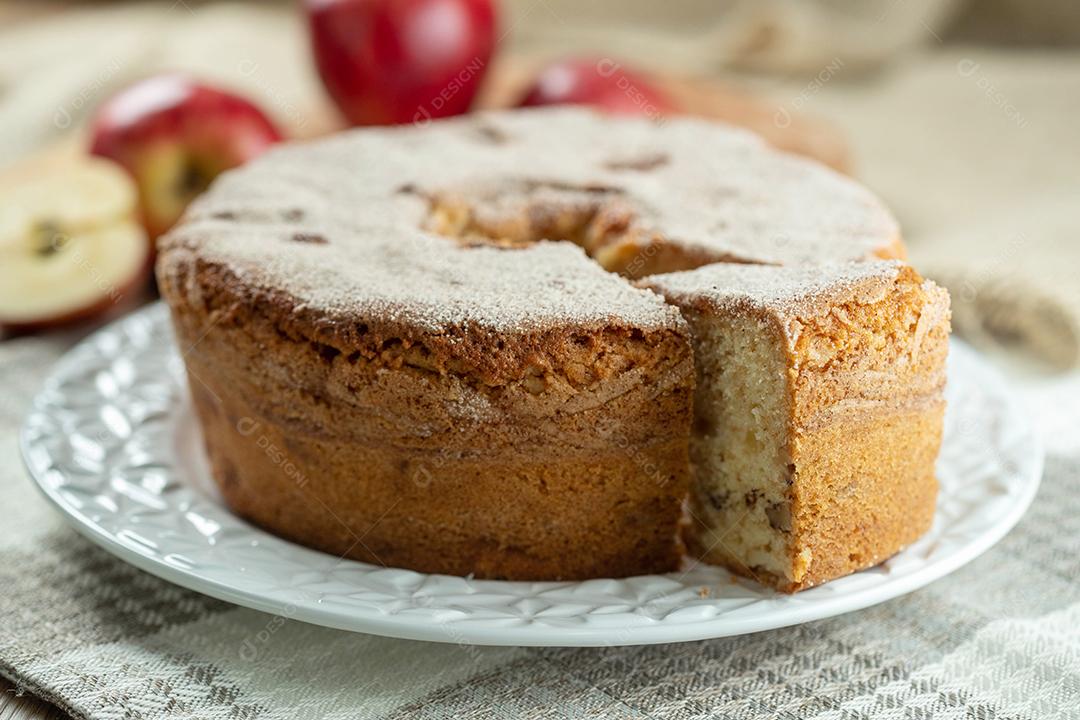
[{"x": 25, "y": 707}]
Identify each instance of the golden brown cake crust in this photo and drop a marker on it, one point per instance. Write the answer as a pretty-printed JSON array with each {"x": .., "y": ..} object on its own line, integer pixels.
[
  {"x": 867, "y": 414},
  {"x": 561, "y": 457}
]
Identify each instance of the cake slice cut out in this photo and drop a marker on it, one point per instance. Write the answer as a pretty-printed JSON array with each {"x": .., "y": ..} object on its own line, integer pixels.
[{"x": 818, "y": 414}]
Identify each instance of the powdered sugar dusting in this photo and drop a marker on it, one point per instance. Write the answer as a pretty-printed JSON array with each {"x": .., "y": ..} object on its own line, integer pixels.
[
  {"x": 358, "y": 203},
  {"x": 788, "y": 291},
  {"x": 428, "y": 286}
]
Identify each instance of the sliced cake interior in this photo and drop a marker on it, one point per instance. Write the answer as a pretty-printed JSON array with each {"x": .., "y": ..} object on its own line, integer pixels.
[{"x": 818, "y": 414}]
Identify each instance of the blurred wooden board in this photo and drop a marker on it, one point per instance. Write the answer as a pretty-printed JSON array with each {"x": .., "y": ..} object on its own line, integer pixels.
[{"x": 25, "y": 707}]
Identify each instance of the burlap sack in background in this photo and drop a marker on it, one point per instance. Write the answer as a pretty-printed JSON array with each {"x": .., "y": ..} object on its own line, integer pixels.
[{"x": 973, "y": 147}]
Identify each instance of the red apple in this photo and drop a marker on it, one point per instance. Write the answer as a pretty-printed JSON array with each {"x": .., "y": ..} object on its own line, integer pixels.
[
  {"x": 600, "y": 82},
  {"x": 71, "y": 247},
  {"x": 388, "y": 62},
  {"x": 174, "y": 136}
]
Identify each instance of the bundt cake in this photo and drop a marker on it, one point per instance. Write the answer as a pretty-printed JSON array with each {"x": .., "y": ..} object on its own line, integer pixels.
[{"x": 403, "y": 347}]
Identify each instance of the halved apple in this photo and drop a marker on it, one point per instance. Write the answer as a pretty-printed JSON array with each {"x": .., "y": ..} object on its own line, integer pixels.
[
  {"x": 174, "y": 136},
  {"x": 70, "y": 244}
]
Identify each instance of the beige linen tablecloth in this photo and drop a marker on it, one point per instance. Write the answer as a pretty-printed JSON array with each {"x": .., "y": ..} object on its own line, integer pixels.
[{"x": 975, "y": 150}]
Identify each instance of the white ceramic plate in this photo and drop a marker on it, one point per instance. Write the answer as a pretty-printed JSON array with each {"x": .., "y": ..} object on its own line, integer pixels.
[{"x": 111, "y": 440}]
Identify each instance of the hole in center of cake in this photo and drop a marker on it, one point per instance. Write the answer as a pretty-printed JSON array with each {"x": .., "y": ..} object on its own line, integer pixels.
[{"x": 516, "y": 214}]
